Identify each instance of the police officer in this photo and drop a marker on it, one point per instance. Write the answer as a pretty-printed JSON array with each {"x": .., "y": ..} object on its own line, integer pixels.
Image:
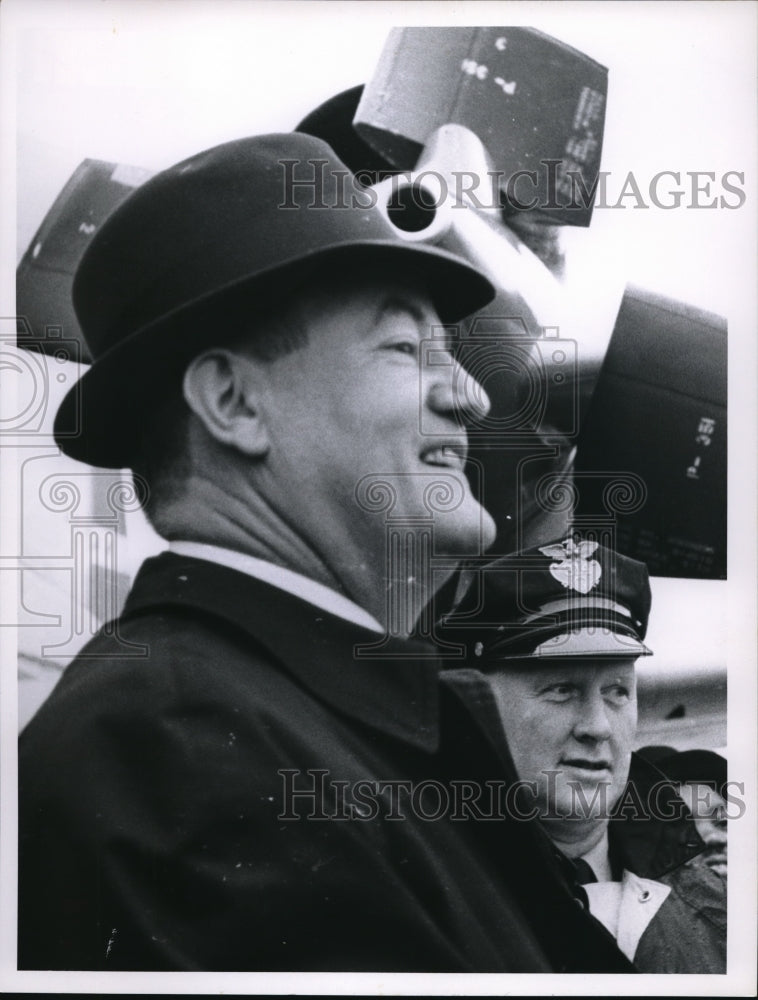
[{"x": 558, "y": 630}]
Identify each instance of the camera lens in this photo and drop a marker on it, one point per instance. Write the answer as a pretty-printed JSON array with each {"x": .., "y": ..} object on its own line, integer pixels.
[{"x": 412, "y": 208}]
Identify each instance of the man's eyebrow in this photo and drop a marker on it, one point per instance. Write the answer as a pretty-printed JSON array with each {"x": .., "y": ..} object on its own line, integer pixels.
[
  {"x": 548, "y": 679},
  {"x": 399, "y": 303},
  {"x": 621, "y": 680}
]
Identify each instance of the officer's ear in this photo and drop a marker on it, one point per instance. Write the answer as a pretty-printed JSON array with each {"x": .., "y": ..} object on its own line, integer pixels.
[{"x": 223, "y": 389}]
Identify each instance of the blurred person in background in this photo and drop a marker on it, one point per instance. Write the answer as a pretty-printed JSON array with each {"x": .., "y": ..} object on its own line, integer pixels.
[{"x": 702, "y": 778}]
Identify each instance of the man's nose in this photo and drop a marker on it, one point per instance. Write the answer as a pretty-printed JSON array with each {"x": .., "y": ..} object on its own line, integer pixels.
[
  {"x": 593, "y": 722},
  {"x": 454, "y": 391}
]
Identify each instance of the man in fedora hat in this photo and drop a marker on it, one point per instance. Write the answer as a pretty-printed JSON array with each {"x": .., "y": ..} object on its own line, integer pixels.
[
  {"x": 558, "y": 629},
  {"x": 232, "y": 775}
]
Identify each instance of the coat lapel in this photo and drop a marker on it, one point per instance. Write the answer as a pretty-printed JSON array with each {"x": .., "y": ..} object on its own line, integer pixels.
[{"x": 391, "y": 686}]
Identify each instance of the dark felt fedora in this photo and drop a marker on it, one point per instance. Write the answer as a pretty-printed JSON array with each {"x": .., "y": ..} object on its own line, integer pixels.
[{"x": 205, "y": 244}]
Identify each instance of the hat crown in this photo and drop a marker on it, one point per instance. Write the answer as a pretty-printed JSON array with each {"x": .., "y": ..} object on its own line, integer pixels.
[
  {"x": 201, "y": 248},
  {"x": 571, "y": 597},
  {"x": 213, "y": 220}
]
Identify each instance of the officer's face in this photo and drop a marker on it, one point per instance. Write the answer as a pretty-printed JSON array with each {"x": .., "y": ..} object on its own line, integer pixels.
[
  {"x": 571, "y": 729},
  {"x": 365, "y": 423}
]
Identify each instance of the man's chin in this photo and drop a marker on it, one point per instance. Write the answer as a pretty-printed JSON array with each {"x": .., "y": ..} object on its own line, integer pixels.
[{"x": 467, "y": 531}]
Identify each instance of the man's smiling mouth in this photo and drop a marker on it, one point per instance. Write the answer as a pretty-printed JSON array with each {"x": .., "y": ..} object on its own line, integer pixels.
[
  {"x": 587, "y": 765},
  {"x": 445, "y": 456}
]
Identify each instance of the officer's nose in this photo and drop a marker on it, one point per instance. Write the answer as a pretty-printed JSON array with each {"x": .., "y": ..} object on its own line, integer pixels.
[
  {"x": 455, "y": 392},
  {"x": 592, "y": 722}
]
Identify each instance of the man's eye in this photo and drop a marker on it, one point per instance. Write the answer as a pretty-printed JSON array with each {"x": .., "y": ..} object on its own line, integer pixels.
[
  {"x": 618, "y": 694},
  {"x": 559, "y": 692},
  {"x": 409, "y": 347}
]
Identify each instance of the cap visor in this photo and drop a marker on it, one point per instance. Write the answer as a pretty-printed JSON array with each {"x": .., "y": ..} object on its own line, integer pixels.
[{"x": 591, "y": 643}]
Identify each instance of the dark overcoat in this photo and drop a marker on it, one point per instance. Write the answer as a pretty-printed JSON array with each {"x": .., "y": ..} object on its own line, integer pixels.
[{"x": 159, "y": 827}]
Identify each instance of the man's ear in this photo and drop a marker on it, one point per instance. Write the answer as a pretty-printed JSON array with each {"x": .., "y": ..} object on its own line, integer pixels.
[{"x": 222, "y": 390}]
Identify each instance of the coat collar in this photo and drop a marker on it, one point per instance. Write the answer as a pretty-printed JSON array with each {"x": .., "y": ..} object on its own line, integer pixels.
[
  {"x": 286, "y": 579},
  {"x": 388, "y": 684}
]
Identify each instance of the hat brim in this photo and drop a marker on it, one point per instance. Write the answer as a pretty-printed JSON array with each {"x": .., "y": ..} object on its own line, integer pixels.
[
  {"x": 592, "y": 644},
  {"x": 97, "y": 420},
  {"x": 589, "y": 633}
]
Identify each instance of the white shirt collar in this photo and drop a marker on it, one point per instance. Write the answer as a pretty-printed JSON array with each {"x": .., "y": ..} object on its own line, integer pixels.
[
  {"x": 598, "y": 858},
  {"x": 285, "y": 579}
]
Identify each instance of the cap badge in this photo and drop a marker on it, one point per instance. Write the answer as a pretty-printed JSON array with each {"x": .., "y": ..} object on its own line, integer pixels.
[{"x": 573, "y": 567}]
